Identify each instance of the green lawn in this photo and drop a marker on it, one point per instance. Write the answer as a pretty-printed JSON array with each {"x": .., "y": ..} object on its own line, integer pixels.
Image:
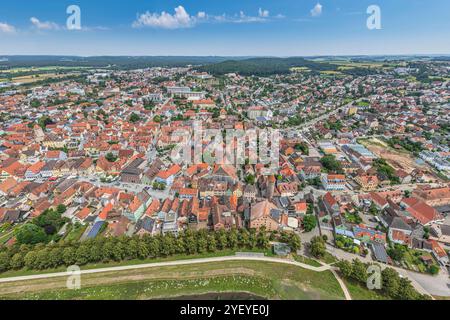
[
  {"x": 328, "y": 258},
  {"x": 307, "y": 260},
  {"x": 413, "y": 262},
  {"x": 265, "y": 279},
  {"x": 359, "y": 292},
  {"x": 75, "y": 233}
]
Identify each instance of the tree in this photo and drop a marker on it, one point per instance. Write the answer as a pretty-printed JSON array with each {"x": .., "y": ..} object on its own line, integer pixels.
[
  {"x": 243, "y": 237},
  {"x": 30, "y": 234},
  {"x": 69, "y": 255},
  {"x": 61, "y": 209},
  {"x": 233, "y": 239},
  {"x": 309, "y": 222},
  {"x": 317, "y": 247},
  {"x": 212, "y": 244},
  {"x": 142, "y": 250},
  {"x": 149, "y": 105},
  {"x": 35, "y": 103},
  {"x": 222, "y": 239},
  {"x": 17, "y": 261},
  {"x": 390, "y": 281},
  {"x": 202, "y": 243},
  {"x": 359, "y": 271},
  {"x": 250, "y": 179},
  {"x": 134, "y": 118},
  {"x": 397, "y": 252},
  {"x": 4, "y": 261},
  {"x": 111, "y": 157},
  {"x": 346, "y": 268},
  {"x": 30, "y": 260},
  {"x": 262, "y": 239},
  {"x": 373, "y": 210},
  {"x": 82, "y": 254},
  {"x": 331, "y": 164},
  {"x": 433, "y": 269},
  {"x": 295, "y": 242},
  {"x": 44, "y": 121}
]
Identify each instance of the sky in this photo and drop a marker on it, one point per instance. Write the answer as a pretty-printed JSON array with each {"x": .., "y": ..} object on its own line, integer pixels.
[{"x": 224, "y": 28}]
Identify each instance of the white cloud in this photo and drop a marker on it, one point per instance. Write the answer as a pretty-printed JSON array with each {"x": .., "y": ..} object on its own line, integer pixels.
[
  {"x": 317, "y": 10},
  {"x": 47, "y": 25},
  {"x": 180, "y": 19},
  {"x": 6, "y": 28},
  {"x": 263, "y": 13}
]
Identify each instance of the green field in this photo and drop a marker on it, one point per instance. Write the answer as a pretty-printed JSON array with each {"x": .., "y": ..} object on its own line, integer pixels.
[
  {"x": 265, "y": 279},
  {"x": 358, "y": 292}
]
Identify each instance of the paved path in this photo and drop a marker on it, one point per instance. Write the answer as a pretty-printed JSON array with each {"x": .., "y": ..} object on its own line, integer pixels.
[{"x": 342, "y": 284}]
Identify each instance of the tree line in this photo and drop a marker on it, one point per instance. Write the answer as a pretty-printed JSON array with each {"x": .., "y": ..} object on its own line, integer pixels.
[
  {"x": 115, "y": 249},
  {"x": 392, "y": 285}
]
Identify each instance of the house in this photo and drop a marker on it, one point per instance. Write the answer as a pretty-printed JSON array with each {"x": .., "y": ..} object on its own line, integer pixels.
[
  {"x": 224, "y": 172},
  {"x": 167, "y": 176},
  {"x": 331, "y": 205},
  {"x": 47, "y": 169},
  {"x": 439, "y": 253},
  {"x": 34, "y": 171},
  {"x": 187, "y": 193},
  {"x": 7, "y": 185},
  {"x": 400, "y": 232},
  {"x": 137, "y": 207},
  {"x": 55, "y": 155},
  {"x": 379, "y": 252},
  {"x": 287, "y": 189},
  {"x": 333, "y": 182},
  {"x": 367, "y": 182},
  {"x": 299, "y": 208},
  {"x": 133, "y": 172},
  {"x": 146, "y": 225},
  {"x": 441, "y": 233},
  {"x": 250, "y": 192},
  {"x": 433, "y": 196},
  {"x": 421, "y": 212},
  {"x": 261, "y": 215},
  {"x": 368, "y": 235}
]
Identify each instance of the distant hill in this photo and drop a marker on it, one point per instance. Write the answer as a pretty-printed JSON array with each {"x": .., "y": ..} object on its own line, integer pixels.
[
  {"x": 119, "y": 62},
  {"x": 264, "y": 66}
]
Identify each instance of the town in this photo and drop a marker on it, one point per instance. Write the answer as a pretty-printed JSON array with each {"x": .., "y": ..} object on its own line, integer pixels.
[{"x": 362, "y": 174}]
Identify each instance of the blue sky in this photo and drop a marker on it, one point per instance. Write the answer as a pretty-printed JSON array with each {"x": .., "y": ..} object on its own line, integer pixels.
[{"x": 216, "y": 27}]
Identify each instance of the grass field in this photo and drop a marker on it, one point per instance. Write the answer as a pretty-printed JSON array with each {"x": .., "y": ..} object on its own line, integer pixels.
[
  {"x": 307, "y": 260},
  {"x": 265, "y": 279},
  {"x": 359, "y": 292},
  {"x": 42, "y": 69}
]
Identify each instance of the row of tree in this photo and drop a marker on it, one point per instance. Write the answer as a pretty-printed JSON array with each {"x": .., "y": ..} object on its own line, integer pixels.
[
  {"x": 46, "y": 256},
  {"x": 392, "y": 285}
]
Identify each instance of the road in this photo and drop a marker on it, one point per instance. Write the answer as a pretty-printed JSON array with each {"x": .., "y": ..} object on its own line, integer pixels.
[
  {"x": 129, "y": 187},
  {"x": 426, "y": 284},
  {"x": 184, "y": 262}
]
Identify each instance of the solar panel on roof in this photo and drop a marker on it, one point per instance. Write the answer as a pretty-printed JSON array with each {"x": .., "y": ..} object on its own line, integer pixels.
[{"x": 95, "y": 229}]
